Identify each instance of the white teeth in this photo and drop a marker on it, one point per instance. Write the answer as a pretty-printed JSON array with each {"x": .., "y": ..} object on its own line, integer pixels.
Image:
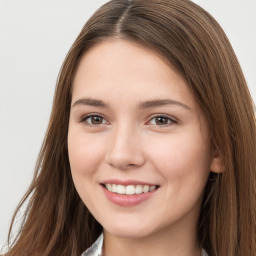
[
  {"x": 113, "y": 188},
  {"x": 150, "y": 189},
  {"x": 130, "y": 189},
  {"x": 109, "y": 187},
  {"x": 120, "y": 189},
  {"x": 138, "y": 189},
  {"x": 145, "y": 189}
]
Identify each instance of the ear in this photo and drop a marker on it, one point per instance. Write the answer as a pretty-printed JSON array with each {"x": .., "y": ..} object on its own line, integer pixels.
[{"x": 217, "y": 165}]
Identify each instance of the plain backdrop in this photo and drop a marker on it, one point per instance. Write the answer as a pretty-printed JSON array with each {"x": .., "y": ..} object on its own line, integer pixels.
[{"x": 34, "y": 39}]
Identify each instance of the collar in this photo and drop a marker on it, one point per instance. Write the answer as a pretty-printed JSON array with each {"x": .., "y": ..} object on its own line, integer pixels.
[{"x": 96, "y": 248}]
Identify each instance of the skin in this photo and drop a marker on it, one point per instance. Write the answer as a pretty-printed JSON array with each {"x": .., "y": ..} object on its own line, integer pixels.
[{"x": 130, "y": 143}]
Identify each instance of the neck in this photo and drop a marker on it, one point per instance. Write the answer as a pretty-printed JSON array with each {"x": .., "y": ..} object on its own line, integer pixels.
[{"x": 183, "y": 243}]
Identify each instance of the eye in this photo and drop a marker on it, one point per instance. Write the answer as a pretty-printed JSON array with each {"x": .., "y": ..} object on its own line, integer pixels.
[
  {"x": 161, "y": 120},
  {"x": 94, "y": 120}
]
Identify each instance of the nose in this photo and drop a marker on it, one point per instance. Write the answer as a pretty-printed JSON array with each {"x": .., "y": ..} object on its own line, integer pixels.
[{"x": 125, "y": 149}]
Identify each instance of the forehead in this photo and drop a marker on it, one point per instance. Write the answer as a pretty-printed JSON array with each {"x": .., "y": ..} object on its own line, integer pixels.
[{"x": 122, "y": 65}]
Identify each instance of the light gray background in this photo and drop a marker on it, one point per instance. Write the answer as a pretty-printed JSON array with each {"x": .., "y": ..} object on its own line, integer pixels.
[{"x": 34, "y": 39}]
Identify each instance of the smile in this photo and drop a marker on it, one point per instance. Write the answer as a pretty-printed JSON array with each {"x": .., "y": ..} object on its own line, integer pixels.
[{"x": 129, "y": 189}]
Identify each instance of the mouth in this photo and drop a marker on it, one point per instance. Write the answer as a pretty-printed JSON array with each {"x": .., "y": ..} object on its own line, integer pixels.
[
  {"x": 128, "y": 193},
  {"x": 129, "y": 189}
]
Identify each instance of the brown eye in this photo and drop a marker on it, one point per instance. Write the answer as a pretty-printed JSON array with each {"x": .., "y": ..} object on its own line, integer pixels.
[
  {"x": 95, "y": 120},
  {"x": 162, "y": 120}
]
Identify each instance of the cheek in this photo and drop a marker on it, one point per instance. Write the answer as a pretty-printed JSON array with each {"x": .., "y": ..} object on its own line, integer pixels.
[
  {"x": 85, "y": 156},
  {"x": 181, "y": 157},
  {"x": 85, "y": 153},
  {"x": 183, "y": 163}
]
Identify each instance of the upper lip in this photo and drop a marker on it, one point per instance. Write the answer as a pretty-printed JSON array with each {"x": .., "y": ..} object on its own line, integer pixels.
[{"x": 127, "y": 182}]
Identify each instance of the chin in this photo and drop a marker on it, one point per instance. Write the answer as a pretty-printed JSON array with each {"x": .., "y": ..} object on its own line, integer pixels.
[
  {"x": 128, "y": 229},
  {"x": 128, "y": 233}
]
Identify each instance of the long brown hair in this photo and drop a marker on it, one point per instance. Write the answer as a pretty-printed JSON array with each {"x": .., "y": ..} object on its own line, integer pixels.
[{"x": 56, "y": 222}]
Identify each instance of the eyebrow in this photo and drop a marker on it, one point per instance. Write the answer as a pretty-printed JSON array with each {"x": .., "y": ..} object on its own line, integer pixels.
[
  {"x": 142, "y": 105},
  {"x": 161, "y": 102},
  {"x": 90, "y": 102}
]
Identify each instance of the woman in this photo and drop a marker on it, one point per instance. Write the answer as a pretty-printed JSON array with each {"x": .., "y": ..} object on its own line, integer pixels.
[{"x": 151, "y": 141}]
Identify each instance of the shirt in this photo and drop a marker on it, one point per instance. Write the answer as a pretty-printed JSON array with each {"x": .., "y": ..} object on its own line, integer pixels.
[{"x": 96, "y": 248}]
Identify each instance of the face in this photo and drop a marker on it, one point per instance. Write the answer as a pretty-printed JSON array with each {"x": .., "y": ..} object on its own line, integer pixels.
[{"x": 139, "y": 147}]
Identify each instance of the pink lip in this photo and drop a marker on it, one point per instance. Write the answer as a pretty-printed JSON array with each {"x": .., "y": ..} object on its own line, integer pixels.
[{"x": 127, "y": 200}]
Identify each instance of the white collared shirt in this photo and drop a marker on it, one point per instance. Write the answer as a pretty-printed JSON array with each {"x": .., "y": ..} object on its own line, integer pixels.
[{"x": 96, "y": 248}]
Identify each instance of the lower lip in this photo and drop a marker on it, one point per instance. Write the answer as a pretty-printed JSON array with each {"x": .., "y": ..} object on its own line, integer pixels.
[{"x": 127, "y": 200}]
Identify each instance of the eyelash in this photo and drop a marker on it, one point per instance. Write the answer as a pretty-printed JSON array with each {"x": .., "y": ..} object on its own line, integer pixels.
[
  {"x": 85, "y": 119},
  {"x": 170, "y": 120}
]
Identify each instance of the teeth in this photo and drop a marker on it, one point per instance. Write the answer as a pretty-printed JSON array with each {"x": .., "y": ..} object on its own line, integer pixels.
[
  {"x": 130, "y": 189},
  {"x": 152, "y": 188},
  {"x": 138, "y": 189},
  {"x": 109, "y": 187},
  {"x": 120, "y": 189},
  {"x": 145, "y": 189},
  {"x": 113, "y": 188}
]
